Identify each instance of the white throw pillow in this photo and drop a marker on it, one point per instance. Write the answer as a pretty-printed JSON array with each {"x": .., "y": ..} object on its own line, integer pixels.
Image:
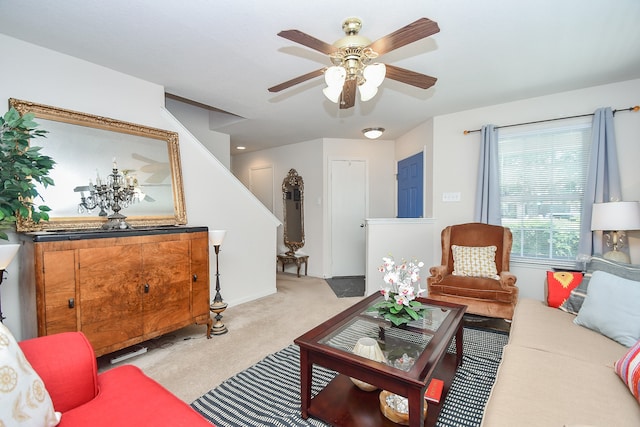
[
  {"x": 475, "y": 261},
  {"x": 612, "y": 308},
  {"x": 25, "y": 401}
]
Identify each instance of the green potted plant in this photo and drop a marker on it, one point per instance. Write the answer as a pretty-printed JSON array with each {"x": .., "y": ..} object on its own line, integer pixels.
[{"x": 21, "y": 167}]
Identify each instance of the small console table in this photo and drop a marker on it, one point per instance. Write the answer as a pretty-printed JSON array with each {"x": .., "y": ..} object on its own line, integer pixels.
[{"x": 285, "y": 259}]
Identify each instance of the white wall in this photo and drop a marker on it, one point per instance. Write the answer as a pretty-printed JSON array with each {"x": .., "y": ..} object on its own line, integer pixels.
[
  {"x": 402, "y": 238},
  {"x": 305, "y": 158},
  {"x": 217, "y": 199},
  {"x": 310, "y": 159},
  {"x": 197, "y": 120},
  {"x": 456, "y": 156},
  {"x": 214, "y": 197}
]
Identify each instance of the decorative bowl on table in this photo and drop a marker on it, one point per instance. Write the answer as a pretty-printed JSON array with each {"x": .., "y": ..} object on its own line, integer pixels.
[
  {"x": 368, "y": 348},
  {"x": 396, "y": 408}
]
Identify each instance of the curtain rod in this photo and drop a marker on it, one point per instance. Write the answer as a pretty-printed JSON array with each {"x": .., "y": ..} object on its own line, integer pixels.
[{"x": 636, "y": 108}]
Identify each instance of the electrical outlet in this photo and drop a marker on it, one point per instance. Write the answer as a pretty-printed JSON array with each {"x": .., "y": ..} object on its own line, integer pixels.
[{"x": 451, "y": 197}]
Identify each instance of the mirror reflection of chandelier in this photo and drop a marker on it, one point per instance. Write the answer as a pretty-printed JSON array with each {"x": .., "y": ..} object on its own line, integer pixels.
[
  {"x": 352, "y": 62},
  {"x": 115, "y": 192}
]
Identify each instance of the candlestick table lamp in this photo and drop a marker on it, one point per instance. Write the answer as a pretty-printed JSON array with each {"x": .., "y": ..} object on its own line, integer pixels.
[
  {"x": 218, "y": 305},
  {"x": 616, "y": 218},
  {"x": 7, "y": 252}
]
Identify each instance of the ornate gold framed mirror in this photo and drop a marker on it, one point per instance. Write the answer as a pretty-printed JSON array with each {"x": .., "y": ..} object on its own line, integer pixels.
[
  {"x": 293, "y": 205},
  {"x": 84, "y": 147}
]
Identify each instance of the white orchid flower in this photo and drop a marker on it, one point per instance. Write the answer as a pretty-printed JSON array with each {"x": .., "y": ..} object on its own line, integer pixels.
[{"x": 401, "y": 299}]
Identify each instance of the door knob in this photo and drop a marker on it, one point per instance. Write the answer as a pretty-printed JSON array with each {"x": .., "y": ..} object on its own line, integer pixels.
[{"x": 361, "y": 225}]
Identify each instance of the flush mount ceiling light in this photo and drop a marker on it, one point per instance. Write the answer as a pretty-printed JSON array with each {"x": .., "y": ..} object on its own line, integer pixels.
[
  {"x": 373, "y": 133},
  {"x": 352, "y": 57}
]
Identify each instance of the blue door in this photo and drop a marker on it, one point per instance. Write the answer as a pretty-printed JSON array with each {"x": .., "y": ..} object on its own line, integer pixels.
[{"x": 410, "y": 191}]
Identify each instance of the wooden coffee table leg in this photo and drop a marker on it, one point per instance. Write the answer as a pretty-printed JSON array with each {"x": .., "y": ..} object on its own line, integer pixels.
[
  {"x": 305, "y": 382},
  {"x": 416, "y": 407}
]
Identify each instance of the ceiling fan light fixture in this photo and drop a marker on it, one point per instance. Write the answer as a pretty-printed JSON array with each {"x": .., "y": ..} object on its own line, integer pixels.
[
  {"x": 367, "y": 92},
  {"x": 374, "y": 74},
  {"x": 334, "y": 77},
  {"x": 332, "y": 93},
  {"x": 373, "y": 77},
  {"x": 373, "y": 133}
]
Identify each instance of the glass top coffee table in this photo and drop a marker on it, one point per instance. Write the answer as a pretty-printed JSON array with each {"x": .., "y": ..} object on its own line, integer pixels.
[{"x": 414, "y": 353}]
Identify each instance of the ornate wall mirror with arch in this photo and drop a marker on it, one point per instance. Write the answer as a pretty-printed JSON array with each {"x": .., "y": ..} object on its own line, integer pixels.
[
  {"x": 293, "y": 205},
  {"x": 85, "y": 146}
]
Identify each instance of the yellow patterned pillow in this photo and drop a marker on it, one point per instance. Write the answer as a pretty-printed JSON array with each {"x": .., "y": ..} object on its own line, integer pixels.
[
  {"x": 475, "y": 261},
  {"x": 25, "y": 401}
]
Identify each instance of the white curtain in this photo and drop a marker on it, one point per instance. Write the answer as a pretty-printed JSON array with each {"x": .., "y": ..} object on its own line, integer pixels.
[
  {"x": 603, "y": 178},
  {"x": 487, "y": 209}
]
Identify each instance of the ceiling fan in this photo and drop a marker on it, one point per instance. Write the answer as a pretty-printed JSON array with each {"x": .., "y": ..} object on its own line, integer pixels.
[{"x": 352, "y": 58}]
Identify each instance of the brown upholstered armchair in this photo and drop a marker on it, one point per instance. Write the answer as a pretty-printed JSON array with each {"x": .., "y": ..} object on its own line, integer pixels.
[{"x": 487, "y": 296}]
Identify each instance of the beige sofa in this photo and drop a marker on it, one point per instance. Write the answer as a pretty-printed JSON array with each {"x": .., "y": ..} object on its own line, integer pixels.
[{"x": 556, "y": 373}]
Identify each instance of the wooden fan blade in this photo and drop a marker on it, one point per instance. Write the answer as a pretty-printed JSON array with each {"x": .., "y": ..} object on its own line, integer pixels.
[
  {"x": 308, "y": 41},
  {"x": 297, "y": 80},
  {"x": 415, "y": 31},
  {"x": 410, "y": 77},
  {"x": 348, "y": 96}
]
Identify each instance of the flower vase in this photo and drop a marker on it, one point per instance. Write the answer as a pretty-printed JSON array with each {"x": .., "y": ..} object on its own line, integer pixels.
[{"x": 368, "y": 348}]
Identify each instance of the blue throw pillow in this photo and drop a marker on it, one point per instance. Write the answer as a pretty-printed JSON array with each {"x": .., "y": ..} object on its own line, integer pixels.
[
  {"x": 612, "y": 308},
  {"x": 577, "y": 296}
]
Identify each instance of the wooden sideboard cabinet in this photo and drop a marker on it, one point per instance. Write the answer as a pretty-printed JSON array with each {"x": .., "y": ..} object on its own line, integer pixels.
[{"x": 118, "y": 287}]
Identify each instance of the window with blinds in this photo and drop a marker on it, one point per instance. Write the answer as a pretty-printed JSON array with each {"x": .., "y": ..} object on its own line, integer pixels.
[{"x": 543, "y": 172}]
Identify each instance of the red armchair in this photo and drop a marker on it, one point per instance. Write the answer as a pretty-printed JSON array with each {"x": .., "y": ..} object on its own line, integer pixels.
[{"x": 122, "y": 396}]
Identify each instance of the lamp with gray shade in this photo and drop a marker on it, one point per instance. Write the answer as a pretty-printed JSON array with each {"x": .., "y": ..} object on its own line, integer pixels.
[
  {"x": 7, "y": 253},
  {"x": 616, "y": 218},
  {"x": 216, "y": 238}
]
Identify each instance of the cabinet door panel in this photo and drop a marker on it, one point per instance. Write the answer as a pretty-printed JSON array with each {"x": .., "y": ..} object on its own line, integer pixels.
[
  {"x": 60, "y": 287},
  {"x": 111, "y": 294},
  {"x": 166, "y": 269},
  {"x": 200, "y": 270}
]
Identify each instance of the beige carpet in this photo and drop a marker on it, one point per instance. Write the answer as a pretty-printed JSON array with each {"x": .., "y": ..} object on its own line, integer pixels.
[{"x": 189, "y": 365}]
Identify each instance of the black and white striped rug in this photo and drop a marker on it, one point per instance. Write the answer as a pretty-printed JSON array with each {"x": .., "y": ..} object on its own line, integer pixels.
[{"x": 268, "y": 393}]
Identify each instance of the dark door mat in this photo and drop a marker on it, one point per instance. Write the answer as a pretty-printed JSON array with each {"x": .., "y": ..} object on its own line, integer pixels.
[{"x": 347, "y": 286}]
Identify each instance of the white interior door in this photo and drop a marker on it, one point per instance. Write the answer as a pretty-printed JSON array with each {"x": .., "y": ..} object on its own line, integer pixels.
[{"x": 348, "y": 212}]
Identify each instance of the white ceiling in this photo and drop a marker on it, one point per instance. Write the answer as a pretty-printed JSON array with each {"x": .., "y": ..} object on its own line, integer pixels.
[{"x": 225, "y": 54}]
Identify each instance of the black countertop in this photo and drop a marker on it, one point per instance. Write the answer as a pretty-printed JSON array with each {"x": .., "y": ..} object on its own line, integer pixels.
[{"x": 58, "y": 235}]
